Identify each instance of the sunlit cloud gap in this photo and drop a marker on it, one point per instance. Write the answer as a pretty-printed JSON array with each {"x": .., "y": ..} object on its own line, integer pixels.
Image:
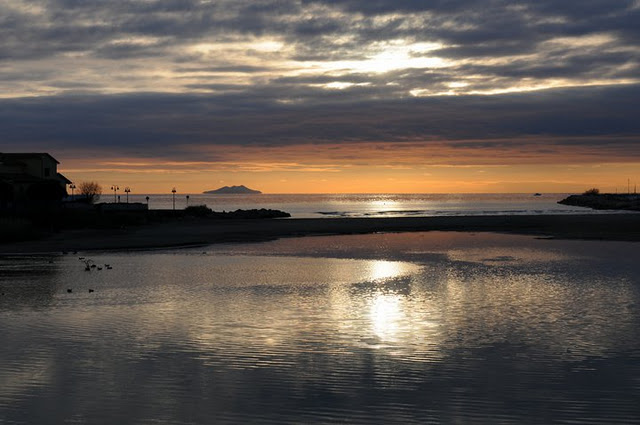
[{"x": 389, "y": 56}]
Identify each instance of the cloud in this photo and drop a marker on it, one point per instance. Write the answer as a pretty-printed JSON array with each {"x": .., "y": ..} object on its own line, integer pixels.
[
  {"x": 590, "y": 121},
  {"x": 125, "y": 46},
  {"x": 185, "y": 78}
]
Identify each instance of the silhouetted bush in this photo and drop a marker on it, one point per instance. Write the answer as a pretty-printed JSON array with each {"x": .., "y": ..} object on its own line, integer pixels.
[
  {"x": 592, "y": 191},
  {"x": 90, "y": 190},
  {"x": 197, "y": 211}
]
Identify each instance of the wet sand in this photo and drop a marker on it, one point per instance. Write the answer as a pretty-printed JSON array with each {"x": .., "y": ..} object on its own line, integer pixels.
[{"x": 187, "y": 232}]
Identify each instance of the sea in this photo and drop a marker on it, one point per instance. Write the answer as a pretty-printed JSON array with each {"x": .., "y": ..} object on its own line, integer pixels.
[
  {"x": 390, "y": 328},
  {"x": 368, "y": 205}
]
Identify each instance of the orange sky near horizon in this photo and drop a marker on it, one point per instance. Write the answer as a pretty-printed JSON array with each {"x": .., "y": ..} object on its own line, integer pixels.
[{"x": 364, "y": 168}]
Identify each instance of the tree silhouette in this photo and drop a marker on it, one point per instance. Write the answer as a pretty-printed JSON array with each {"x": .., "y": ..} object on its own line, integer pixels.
[{"x": 90, "y": 190}]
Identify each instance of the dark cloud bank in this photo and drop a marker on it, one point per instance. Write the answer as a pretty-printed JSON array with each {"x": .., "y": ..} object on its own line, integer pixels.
[
  {"x": 72, "y": 25},
  {"x": 158, "y": 124}
]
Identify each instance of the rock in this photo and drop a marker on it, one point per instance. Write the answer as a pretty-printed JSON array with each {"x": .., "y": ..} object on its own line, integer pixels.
[{"x": 604, "y": 201}]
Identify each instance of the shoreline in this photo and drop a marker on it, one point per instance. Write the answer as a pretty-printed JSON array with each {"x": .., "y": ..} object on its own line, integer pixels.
[{"x": 203, "y": 231}]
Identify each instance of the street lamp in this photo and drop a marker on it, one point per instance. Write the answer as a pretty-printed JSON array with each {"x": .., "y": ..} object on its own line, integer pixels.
[
  {"x": 127, "y": 190},
  {"x": 174, "y": 198},
  {"x": 187, "y": 200},
  {"x": 115, "y": 192},
  {"x": 72, "y": 187}
]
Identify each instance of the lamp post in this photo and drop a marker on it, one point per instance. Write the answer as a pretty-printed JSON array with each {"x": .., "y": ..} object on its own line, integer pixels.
[
  {"x": 72, "y": 187},
  {"x": 147, "y": 198},
  {"x": 187, "y": 200},
  {"x": 127, "y": 190},
  {"x": 115, "y": 189},
  {"x": 174, "y": 198}
]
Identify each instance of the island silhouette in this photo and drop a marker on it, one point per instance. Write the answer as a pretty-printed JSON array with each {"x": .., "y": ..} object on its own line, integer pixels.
[{"x": 232, "y": 190}]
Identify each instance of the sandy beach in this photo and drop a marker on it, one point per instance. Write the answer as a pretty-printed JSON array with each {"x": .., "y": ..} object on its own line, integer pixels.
[{"x": 621, "y": 227}]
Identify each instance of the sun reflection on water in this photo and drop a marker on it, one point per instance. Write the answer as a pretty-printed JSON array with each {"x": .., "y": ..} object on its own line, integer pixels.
[
  {"x": 387, "y": 316},
  {"x": 383, "y": 205},
  {"x": 381, "y": 270}
]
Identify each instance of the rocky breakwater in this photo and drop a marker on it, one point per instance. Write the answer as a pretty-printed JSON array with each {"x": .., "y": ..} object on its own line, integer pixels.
[
  {"x": 204, "y": 211},
  {"x": 251, "y": 214},
  {"x": 606, "y": 201}
]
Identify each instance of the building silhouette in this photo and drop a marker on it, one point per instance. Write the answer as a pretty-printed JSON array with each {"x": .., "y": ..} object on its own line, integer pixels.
[{"x": 30, "y": 180}]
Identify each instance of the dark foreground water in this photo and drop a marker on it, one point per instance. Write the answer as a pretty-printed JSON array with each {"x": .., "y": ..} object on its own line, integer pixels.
[{"x": 398, "y": 328}]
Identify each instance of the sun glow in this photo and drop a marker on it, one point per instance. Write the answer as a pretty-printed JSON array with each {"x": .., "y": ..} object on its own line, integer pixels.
[{"x": 388, "y": 57}]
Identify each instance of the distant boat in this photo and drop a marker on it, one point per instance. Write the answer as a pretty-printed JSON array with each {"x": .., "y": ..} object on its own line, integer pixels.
[{"x": 537, "y": 194}]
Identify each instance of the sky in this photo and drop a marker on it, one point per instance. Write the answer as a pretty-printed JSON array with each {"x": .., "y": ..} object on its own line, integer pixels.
[{"x": 325, "y": 96}]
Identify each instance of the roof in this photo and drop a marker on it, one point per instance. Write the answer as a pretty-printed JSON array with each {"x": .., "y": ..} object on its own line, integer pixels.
[
  {"x": 27, "y": 178},
  {"x": 24, "y": 155},
  {"x": 64, "y": 179}
]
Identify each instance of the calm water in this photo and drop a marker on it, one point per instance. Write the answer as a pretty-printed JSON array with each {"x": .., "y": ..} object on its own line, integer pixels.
[
  {"x": 375, "y": 205},
  {"x": 388, "y": 328}
]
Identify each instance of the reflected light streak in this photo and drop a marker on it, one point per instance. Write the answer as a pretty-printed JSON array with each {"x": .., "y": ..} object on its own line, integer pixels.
[
  {"x": 386, "y": 313},
  {"x": 383, "y": 206},
  {"x": 386, "y": 269},
  {"x": 387, "y": 316}
]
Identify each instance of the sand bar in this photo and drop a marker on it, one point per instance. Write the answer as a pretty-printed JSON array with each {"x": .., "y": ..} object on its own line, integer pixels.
[{"x": 621, "y": 227}]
